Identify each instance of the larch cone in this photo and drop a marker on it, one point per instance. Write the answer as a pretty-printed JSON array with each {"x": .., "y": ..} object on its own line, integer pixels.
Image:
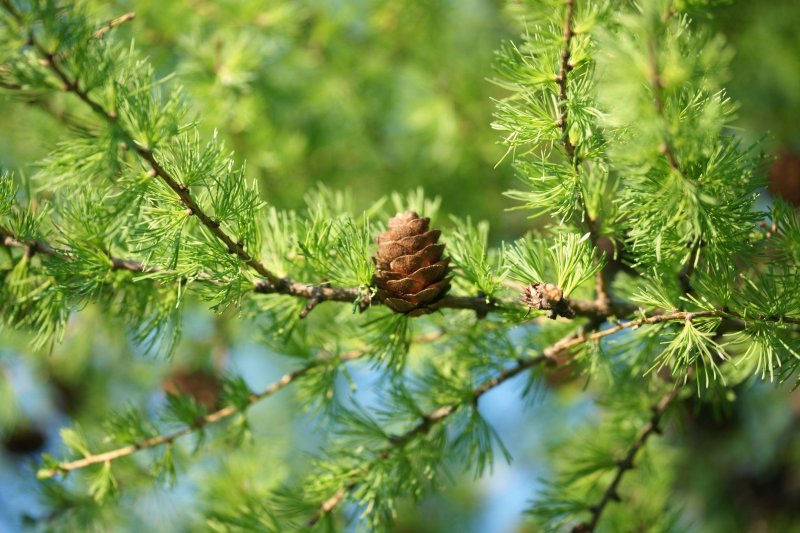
[{"x": 411, "y": 274}]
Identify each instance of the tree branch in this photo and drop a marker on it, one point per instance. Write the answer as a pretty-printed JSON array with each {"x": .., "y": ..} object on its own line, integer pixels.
[
  {"x": 429, "y": 421},
  {"x": 549, "y": 354},
  {"x": 610, "y": 494},
  {"x": 315, "y": 294},
  {"x": 168, "y": 438},
  {"x": 211, "y": 418},
  {"x": 100, "y": 33},
  {"x": 602, "y": 296},
  {"x": 30, "y": 247},
  {"x": 320, "y": 293},
  {"x": 72, "y": 86},
  {"x": 561, "y": 80}
]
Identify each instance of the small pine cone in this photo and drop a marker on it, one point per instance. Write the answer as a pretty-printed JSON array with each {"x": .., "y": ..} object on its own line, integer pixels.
[
  {"x": 547, "y": 297},
  {"x": 411, "y": 274}
]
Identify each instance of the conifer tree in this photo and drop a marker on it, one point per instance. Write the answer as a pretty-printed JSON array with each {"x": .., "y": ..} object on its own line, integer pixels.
[{"x": 656, "y": 278}]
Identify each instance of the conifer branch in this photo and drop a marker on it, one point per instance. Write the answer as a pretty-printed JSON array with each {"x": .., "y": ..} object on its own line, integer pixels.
[
  {"x": 100, "y": 33},
  {"x": 272, "y": 284},
  {"x": 72, "y": 86},
  {"x": 658, "y": 101},
  {"x": 428, "y": 421},
  {"x": 201, "y": 423},
  {"x": 320, "y": 293},
  {"x": 667, "y": 149},
  {"x": 211, "y": 418},
  {"x": 561, "y": 80},
  {"x": 611, "y": 494},
  {"x": 317, "y": 294},
  {"x": 30, "y": 247},
  {"x": 602, "y": 295}
]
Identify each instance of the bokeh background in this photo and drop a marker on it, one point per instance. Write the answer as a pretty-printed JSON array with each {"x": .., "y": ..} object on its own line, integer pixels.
[{"x": 375, "y": 96}]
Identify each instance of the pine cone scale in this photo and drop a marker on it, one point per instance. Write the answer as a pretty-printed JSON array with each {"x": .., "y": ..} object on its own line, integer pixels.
[
  {"x": 390, "y": 250},
  {"x": 403, "y": 286},
  {"x": 411, "y": 273},
  {"x": 413, "y": 227}
]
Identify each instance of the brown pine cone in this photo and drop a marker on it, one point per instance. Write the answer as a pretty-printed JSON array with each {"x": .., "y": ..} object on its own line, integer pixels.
[{"x": 411, "y": 274}]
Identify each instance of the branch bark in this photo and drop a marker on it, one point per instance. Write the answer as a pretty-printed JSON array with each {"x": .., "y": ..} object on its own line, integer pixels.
[
  {"x": 315, "y": 294},
  {"x": 72, "y": 85},
  {"x": 602, "y": 297},
  {"x": 429, "y": 421},
  {"x": 211, "y": 418},
  {"x": 610, "y": 494}
]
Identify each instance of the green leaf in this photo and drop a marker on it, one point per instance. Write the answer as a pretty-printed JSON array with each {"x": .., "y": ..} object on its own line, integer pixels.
[
  {"x": 74, "y": 439},
  {"x": 103, "y": 485}
]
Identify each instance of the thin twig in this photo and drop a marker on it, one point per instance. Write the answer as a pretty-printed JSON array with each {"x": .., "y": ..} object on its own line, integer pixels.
[
  {"x": 561, "y": 80},
  {"x": 611, "y": 494},
  {"x": 30, "y": 247},
  {"x": 71, "y": 85},
  {"x": 216, "y": 416},
  {"x": 99, "y": 34},
  {"x": 428, "y": 421},
  {"x": 668, "y": 150},
  {"x": 602, "y": 296},
  {"x": 315, "y": 294},
  {"x": 168, "y": 438},
  {"x": 586, "y": 308}
]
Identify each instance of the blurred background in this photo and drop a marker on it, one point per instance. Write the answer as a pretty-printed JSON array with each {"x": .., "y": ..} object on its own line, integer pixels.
[{"x": 375, "y": 96}]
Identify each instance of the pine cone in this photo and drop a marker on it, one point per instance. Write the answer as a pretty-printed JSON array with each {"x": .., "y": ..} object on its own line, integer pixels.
[
  {"x": 547, "y": 297},
  {"x": 411, "y": 273}
]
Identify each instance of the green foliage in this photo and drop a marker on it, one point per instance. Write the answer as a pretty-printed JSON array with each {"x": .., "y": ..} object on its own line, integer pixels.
[
  {"x": 568, "y": 262},
  {"x": 614, "y": 118},
  {"x": 469, "y": 249}
]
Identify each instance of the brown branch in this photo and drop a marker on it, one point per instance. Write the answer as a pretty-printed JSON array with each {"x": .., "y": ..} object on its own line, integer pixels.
[
  {"x": 99, "y": 34},
  {"x": 611, "y": 494},
  {"x": 321, "y": 293},
  {"x": 216, "y": 416},
  {"x": 549, "y": 354},
  {"x": 430, "y": 420},
  {"x": 602, "y": 297},
  {"x": 30, "y": 247},
  {"x": 561, "y": 80},
  {"x": 33, "y": 247},
  {"x": 272, "y": 284},
  {"x": 210, "y": 418},
  {"x": 182, "y": 191},
  {"x": 315, "y": 294}
]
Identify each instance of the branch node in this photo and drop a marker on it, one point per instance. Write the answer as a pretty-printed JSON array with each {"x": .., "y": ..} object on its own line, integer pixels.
[
  {"x": 625, "y": 464},
  {"x": 547, "y": 297}
]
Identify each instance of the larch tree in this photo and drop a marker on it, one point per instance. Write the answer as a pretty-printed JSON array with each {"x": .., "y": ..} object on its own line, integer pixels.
[{"x": 655, "y": 279}]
